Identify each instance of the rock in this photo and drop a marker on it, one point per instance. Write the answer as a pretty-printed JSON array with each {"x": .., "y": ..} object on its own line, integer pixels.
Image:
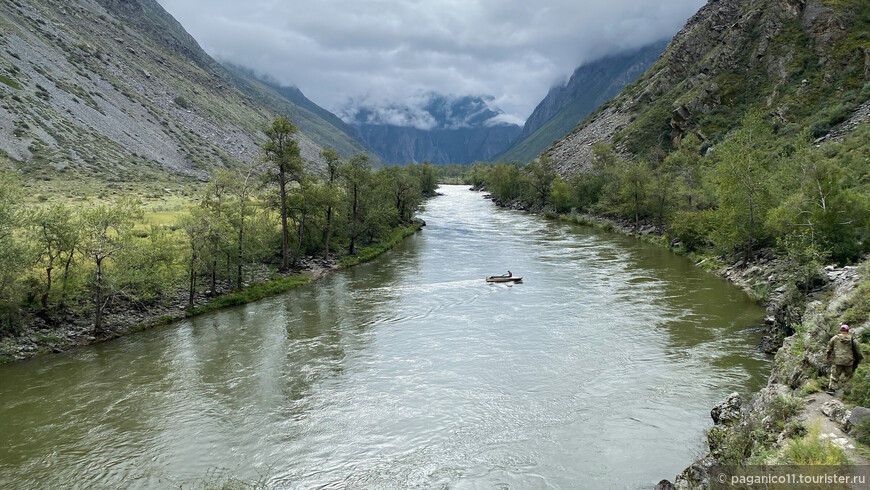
[
  {"x": 728, "y": 410},
  {"x": 835, "y": 411},
  {"x": 856, "y": 416},
  {"x": 664, "y": 485}
]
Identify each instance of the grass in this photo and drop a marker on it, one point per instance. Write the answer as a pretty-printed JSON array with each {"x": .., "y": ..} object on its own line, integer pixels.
[
  {"x": 253, "y": 293},
  {"x": 10, "y": 82},
  {"x": 812, "y": 450},
  {"x": 372, "y": 251}
]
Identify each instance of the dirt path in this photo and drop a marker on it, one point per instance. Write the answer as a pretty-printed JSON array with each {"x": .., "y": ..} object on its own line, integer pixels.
[{"x": 830, "y": 430}]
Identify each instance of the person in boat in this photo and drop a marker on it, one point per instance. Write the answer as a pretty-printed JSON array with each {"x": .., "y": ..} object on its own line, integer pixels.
[
  {"x": 510, "y": 274},
  {"x": 844, "y": 356}
]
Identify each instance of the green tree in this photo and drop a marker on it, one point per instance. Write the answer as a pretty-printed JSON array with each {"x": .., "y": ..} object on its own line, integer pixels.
[
  {"x": 539, "y": 175},
  {"x": 105, "y": 231},
  {"x": 243, "y": 188},
  {"x": 357, "y": 177},
  {"x": 13, "y": 250},
  {"x": 146, "y": 266},
  {"x": 283, "y": 153},
  {"x": 634, "y": 181},
  {"x": 54, "y": 232},
  {"x": 196, "y": 225},
  {"x": 562, "y": 195},
  {"x": 743, "y": 177},
  {"x": 332, "y": 196}
]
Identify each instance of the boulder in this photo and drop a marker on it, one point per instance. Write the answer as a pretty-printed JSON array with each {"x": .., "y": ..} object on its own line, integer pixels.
[
  {"x": 665, "y": 485},
  {"x": 856, "y": 416},
  {"x": 836, "y": 411},
  {"x": 728, "y": 410}
]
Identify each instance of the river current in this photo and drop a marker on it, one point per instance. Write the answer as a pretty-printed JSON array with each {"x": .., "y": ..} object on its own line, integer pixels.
[{"x": 597, "y": 371}]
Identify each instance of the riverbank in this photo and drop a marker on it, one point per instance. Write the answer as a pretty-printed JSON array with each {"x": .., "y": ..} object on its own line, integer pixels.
[
  {"x": 55, "y": 335},
  {"x": 785, "y": 422}
]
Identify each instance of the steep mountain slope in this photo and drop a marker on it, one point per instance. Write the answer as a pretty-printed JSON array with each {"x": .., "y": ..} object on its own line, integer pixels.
[
  {"x": 117, "y": 89},
  {"x": 564, "y": 106},
  {"x": 805, "y": 63},
  {"x": 441, "y": 130},
  {"x": 314, "y": 121}
]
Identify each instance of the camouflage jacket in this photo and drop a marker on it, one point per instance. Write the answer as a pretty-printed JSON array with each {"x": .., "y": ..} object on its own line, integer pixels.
[{"x": 840, "y": 349}]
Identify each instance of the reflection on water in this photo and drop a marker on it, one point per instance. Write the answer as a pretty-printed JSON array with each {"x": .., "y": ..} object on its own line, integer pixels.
[{"x": 598, "y": 370}]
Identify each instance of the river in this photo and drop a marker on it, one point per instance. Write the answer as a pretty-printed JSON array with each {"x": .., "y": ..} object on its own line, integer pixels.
[{"x": 597, "y": 371}]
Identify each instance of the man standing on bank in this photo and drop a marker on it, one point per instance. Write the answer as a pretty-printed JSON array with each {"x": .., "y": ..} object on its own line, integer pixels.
[{"x": 844, "y": 355}]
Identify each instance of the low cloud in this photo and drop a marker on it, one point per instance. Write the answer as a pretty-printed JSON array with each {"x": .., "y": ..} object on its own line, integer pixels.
[{"x": 388, "y": 52}]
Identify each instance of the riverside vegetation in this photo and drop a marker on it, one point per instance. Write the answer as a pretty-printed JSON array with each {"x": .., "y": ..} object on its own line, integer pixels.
[
  {"x": 246, "y": 232},
  {"x": 774, "y": 204}
]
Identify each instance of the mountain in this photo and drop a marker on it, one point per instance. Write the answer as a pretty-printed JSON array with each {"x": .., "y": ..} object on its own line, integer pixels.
[
  {"x": 314, "y": 121},
  {"x": 117, "y": 89},
  {"x": 589, "y": 86},
  {"x": 803, "y": 63},
  {"x": 437, "y": 128}
]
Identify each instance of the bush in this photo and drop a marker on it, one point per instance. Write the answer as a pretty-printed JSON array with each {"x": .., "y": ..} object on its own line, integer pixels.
[
  {"x": 784, "y": 407},
  {"x": 811, "y": 450},
  {"x": 692, "y": 229},
  {"x": 182, "y": 102},
  {"x": 860, "y": 393}
]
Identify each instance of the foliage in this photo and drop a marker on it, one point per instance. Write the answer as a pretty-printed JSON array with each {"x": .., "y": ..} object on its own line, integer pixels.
[
  {"x": 812, "y": 450},
  {"x": 57, "y": 260},
  {"x": 860, "y": 392},
  {"x": 861, "y": 432}
]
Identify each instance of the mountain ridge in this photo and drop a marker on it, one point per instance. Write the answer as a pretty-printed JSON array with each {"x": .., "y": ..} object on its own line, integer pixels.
[
  {"x": 795, "y": 60},
  {"x": 589, "y": 86},
  {"x": 113, "y": 89}
]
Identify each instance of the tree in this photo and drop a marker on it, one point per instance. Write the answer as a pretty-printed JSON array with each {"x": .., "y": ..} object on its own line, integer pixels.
[
  {"x": 242, "y": 188},
  {"x": 214, "y": 197},
  {"x": 283, "y": 153},
  {"x": 13, "y": 250},
  {"x": 333, "y": 169},
  {"x": 55, "y": 233},
  {"x": 540, "y": 174},
  {"x": 403, "y": 189},
  {"x": 357, "y": 176},
  {"x": 742, "y": 173},
  {"x": 197, "y": 228},
  {"x": 634, "y": 188},
  {"x": 105, "y": 231}
]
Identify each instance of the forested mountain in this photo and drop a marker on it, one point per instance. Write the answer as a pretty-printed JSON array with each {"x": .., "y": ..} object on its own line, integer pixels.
[
  {"x": 441, "y": 130},
  {"x": 118, "y": 89},
  {"x": 590, "y": 85}
]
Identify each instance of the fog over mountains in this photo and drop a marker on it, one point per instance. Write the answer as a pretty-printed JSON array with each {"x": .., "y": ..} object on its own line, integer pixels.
[{"x": 436, "y": 128}]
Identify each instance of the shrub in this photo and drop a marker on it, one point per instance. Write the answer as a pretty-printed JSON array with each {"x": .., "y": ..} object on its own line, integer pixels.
[
  {"x": 861, "y": 432},
  {"x": 182, "y": 102},
  {"x": 812, "y": 450},
  {"x": 860, "y": 393},
  {"x": 784, "y": 407}
]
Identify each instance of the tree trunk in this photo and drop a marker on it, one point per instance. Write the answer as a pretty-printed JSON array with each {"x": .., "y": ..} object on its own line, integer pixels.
[
  {"x": 98, "y": 320},
  {"x": 240, "y": 252},
  {"x": 327, "y": 233},
  {"x": 285, "y": 232},
  {"x": 47, "y": 283},
  {"x": 192, "y": 283}
]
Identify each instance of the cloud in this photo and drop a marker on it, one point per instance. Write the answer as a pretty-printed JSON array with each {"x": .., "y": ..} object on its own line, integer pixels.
[{"x": 387, "y": 52}]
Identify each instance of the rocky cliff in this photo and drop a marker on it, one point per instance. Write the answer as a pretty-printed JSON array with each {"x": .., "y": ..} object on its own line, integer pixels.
[
  {"x": 801, "y": 61},
  {"x": 590, "y": 85},
  {"x": 117, "y": 89}
]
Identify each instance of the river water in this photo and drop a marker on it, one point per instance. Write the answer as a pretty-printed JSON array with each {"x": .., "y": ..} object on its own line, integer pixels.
[{"x": 598, "y": 371}]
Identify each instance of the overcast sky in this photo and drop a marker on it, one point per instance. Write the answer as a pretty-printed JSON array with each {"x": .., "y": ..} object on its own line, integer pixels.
[{"x": 380, "y": 52}]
